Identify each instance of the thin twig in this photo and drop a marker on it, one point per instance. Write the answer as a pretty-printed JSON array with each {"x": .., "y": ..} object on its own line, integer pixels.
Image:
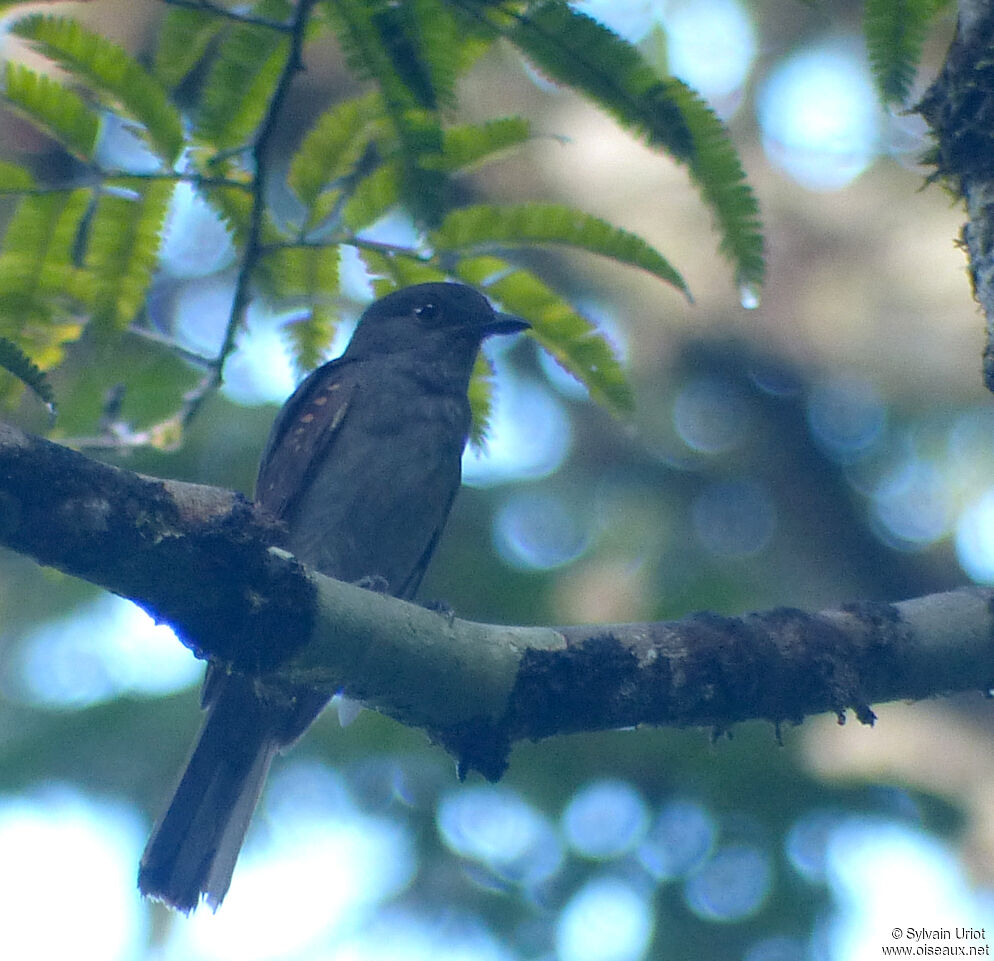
[
  {"x": 190, "y": 356},
  {"x": 390, "y": 249},
  {"x": 101, "y": 176},
  {"x": 166, "y": 435},
  {"x": 220, "y": 11},
  {"x": 253, "y": 246},
  {"x": 360, "y": 243}
]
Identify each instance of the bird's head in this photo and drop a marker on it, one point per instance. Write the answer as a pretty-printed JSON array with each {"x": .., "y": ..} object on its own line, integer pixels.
[{"x": 428, "y": 317}]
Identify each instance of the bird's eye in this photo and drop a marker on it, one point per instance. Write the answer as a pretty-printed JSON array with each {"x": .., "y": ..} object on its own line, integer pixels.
[{"x": 426, "y": 311}]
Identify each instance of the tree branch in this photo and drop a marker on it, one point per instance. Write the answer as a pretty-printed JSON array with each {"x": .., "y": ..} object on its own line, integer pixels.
[
  {"x": 204, "y": 560},
  {"x": 958, "y": 107}
]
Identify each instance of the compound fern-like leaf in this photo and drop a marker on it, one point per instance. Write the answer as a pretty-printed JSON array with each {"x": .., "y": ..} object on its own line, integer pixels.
[
  {"x": 332, "y": 147},
  {"x": 109, "y": 71},
  {"x": 895, "y": 32},
  {"x": 576, "y": 50},
  {"x": 123, "y": 248},
  {"x": 571, "y": 339},
  {"x": 56, "y": 110},
  {"x": 18, "y": 363},
  {"x": 482, "y": 227},
  {"x": 240, "y": 83}
]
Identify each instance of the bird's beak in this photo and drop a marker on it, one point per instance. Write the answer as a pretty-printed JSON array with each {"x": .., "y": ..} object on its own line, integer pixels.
[{"x": 505, "y": 324}]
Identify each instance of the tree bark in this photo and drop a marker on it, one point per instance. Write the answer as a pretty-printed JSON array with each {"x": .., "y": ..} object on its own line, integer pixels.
[
  {"x": 207, "y": 561},
  {"x": 959, "y": 108}
]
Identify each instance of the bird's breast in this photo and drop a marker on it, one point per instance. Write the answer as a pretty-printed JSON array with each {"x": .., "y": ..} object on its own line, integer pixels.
[{"x": 375, "y": 504}]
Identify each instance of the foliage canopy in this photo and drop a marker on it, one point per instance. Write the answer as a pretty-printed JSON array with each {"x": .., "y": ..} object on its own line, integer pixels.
[{"x": 84, "y": 252}]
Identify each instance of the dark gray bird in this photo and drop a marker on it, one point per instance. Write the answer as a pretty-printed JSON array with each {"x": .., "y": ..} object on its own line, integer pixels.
[{"x": 362, "y": 466}]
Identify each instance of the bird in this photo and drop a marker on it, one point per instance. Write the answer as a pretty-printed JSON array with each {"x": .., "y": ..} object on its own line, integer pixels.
[{"x": 360, "y": 471}]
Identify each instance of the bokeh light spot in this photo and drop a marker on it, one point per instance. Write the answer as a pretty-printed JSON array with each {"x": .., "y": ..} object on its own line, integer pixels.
[
  {"x": 606, "y": 920},
  {"x": 913, "y": 506},
  {"x": 734, "y": 518},
  {"x": 679, "y": 840},
  {"x": 731, "y": 885},
  {"x": 500, "y": 830},
  {"x": 529, "y": 436},
  {"x": 536, "y": 530},
  {"x": 711, "y": 45},
  {"x": 196, "y": 242},
  {"x": 846, "y": 416},
  {"x": 120, "y": 146},
  {"x": 318, "y": 874},
  {"x": 779, "y": 948},
  {"x": 819, "y": 118},
  {"x": 710, "y": 416},
  {"x": 261, "y": 370},
  {"x": 975, "y": 539},
  {"x": 61, "y": 850},
  {"x": 881, "y": 872},
  {"x": 103, "y": 649},
  {"x": 806, "y": 843},
  {"x": 605, "y": 819},
  {"x": 631, "y": 19},
  {"x": 399, "y": 935}
]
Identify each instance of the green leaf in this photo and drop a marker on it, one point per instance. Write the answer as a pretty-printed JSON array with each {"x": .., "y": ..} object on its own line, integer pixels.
[
  {"x": 481, "y": 400},
  {"x": 49, "y": 289},
  {"x": 38, "y": 307},
  {"x": 240, "y": 83},
  {"x": 123, "y": 248},
  {"x": 397, "y": 271},
  {"x": 58, "y": 111},
  {"x": 333, "y": 147},
  {"x": 308, "y": 276},
  {"x": 422, "y": 39},
  {"x": 485, "y": 226},
  {"x": 717, "y": 171},
  {"x": 107, "y": 69},
  {"x": 16, "y": 362},
  {"x": 300, "y": 272},
  {"x": 575, "y": 49},
  {"x": 289, "y": 274},
  {"x": 45, "y": 226},
  {"x": 373, "y": 197},
  {"x": 895, "y": 32},
  {"x": 42, "y": 291},
  {"x": 183, "y": 40},
  {"x": 424, "y": 187},
  {"x": 234, "y": 206},
  {"x": 466, "y": 146},
  {"x": 309, "y": 337},
  {"x": 572, "y": 340},
  {"x": 381, "y": 45},
  {"x": 14, "y": 177},
  {"x": 386, "y": 42},
  {"x": 376, "y": 193},
  {"x": 40, "y": 245},
  {"x": 484, "y": 270}
]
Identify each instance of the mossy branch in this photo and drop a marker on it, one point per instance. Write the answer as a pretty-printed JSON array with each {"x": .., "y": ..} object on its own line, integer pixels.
[{"x": 203, "y": 559}]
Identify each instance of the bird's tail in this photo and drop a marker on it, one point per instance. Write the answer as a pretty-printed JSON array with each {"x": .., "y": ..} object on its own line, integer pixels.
[{"x": 193, "y": 849}]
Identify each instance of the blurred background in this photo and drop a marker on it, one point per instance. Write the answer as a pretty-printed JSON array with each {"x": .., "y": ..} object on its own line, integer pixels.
[{"x": 824, "y": 440}]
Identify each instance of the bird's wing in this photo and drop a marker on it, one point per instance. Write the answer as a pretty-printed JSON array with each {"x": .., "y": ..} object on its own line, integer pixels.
[
  {"x": 301, "y": 435},
  {"x": 409, "y": 588}
]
